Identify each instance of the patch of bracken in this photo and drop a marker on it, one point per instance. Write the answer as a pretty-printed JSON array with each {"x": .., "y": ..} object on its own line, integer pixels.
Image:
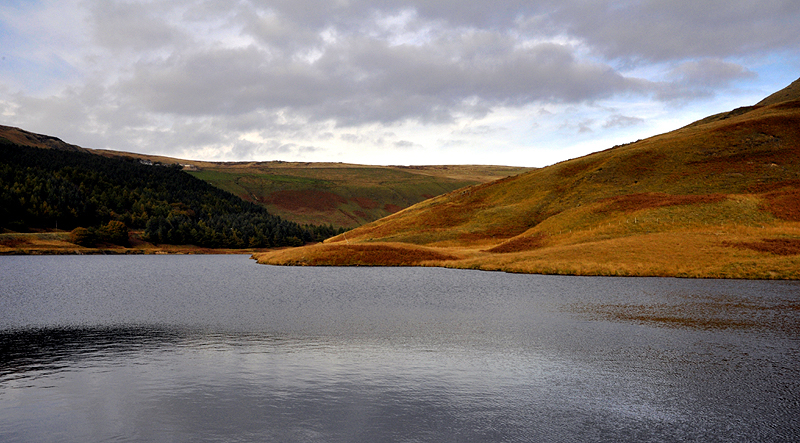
[
  {"x": 376, "y": 255},
  {"x": 295, "y": 200},
  {"x": 390, "y": 208},
  {"x": 777, "y": 246},
  {"x": 365, "y": 203},
  {"x": 650, "y": 200},
  {"x": 519, "y": 244}
]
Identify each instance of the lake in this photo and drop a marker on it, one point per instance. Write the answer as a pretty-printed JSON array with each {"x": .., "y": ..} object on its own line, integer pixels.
[{"x": 217, "y": 348}]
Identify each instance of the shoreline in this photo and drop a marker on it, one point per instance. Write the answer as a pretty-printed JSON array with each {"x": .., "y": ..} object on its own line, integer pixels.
[
  {"x": 57, "y": 243},
  {"x": 750, "y": 265}
]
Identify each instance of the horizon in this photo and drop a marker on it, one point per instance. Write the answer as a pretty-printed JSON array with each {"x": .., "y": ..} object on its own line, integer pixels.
[{"x": 384, "y": 84}]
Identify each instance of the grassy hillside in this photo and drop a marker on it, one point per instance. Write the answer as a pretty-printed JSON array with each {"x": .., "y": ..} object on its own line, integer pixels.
[
  {"x": 718, "y": 198},
  {"x": 339, "y": 194},
  {"x": 342, "y": 194}
]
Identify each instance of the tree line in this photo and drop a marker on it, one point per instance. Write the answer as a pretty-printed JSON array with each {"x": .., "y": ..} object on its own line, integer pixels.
[{"x": 48, "y": 189}]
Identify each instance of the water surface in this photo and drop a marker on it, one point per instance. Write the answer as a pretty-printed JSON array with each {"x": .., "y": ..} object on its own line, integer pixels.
[{"x": 217, "y": 348}]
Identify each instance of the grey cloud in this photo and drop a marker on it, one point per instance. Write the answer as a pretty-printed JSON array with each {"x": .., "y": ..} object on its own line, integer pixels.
[
  {"x": 701, "y": 78},
  {"x": 661, "y": 30},
  {"x": 474, "y": 61},
  {"x": 480, "y": 130},
  {"x": 276, "y": 31},
  {"x": 635, "y": 30},
  {"x": 710, "y": 73},
  {"x": 360, "y": 80},
  {"x": 404, "y": 144},
  {"x": 578, "y": 127},
  {"x": 122, "y": 25},
  {"x": 352, "y": 138},
  {"x": 187, "y": 73},
  {"x": 244, "y": 150},
  {"x": 227, "y": 81},
  {"x": 622, "y": 121}
]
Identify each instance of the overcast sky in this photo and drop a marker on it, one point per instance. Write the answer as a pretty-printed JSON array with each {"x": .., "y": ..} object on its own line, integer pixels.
[{"x": 384, "y": 82}]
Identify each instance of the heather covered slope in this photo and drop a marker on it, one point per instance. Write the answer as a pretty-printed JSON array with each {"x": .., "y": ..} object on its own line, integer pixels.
[
  {"x": 718, "y": 198},
  {"x": 341, "y": 194}
]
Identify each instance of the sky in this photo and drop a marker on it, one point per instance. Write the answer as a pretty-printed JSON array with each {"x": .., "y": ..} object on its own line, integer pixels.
[{"x": 385, "y": 82}]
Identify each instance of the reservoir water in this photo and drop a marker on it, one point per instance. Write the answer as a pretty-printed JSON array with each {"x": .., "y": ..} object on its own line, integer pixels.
[{"x": 218, "y": 348}]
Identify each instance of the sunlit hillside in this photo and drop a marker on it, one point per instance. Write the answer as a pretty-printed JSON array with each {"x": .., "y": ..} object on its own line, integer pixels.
[{"x": 717, "y": 198}]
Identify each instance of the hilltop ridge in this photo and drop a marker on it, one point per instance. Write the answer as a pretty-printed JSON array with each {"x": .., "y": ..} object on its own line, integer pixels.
[
  {"x": 789, "y": 93},
  {"x": 25, "y": 138}
]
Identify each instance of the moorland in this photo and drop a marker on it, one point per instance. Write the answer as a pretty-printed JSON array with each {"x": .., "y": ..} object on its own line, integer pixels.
[{"x": 719, "y": 198}]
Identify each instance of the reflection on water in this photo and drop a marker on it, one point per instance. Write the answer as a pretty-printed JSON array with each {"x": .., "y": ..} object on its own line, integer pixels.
[{"x": 218, "y": 349}]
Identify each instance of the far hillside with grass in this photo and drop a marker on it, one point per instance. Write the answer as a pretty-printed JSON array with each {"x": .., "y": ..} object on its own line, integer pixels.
[{"x": 342, "y": 194}]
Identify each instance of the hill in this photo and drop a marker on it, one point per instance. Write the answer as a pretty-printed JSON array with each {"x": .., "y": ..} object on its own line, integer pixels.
[
  {"x": 339, "y": 194},
  {"x": 717, "y": 198},
  {"x": 24, "y": 138},
  {"x": 47, "y": 189}
]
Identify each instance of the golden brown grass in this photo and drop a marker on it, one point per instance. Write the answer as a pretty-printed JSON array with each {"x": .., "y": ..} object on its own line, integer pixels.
[
  {"x": 57, "y": 243},
  {"x": 707, "y": 252},
  {"x": 337, "y": 254}
]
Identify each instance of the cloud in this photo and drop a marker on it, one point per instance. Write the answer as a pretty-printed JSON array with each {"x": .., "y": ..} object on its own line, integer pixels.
[
  {"x": 710, "y": 73},
  {"x": 360, "y": 80},
  {"x": 119, "y": 26},
  {"x": 665, "y": 30},
  {"x": 223, "y": 79},
  {"x": 701, "y": 78},
  {"x": 622, "y": 121},
  {"x": 404, "y": 144}
]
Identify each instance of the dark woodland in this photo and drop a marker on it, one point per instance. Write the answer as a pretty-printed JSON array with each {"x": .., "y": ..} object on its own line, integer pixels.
[{"x": 55, "y": 189}]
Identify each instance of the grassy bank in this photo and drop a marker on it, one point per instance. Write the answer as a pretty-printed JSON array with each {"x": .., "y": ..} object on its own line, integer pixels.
[
  {"x": 740, "y": 252},
  {"x": 57, "y": 243}
]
